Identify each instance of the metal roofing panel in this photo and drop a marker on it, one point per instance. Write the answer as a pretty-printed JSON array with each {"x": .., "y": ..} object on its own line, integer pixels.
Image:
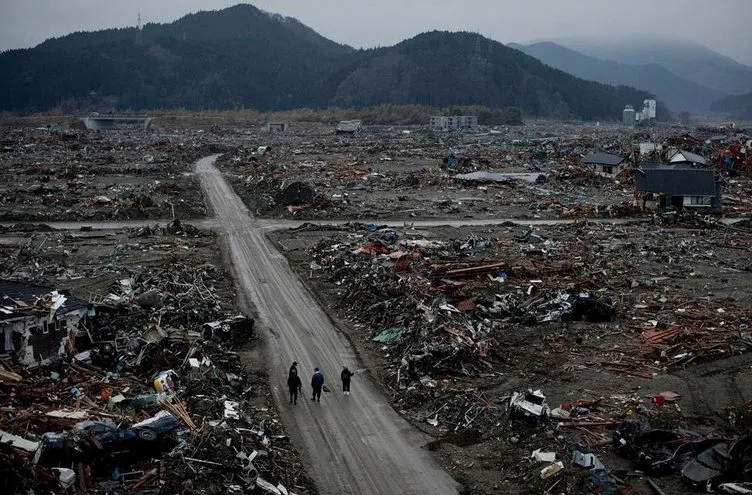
[{"x": 601, "y": 158}]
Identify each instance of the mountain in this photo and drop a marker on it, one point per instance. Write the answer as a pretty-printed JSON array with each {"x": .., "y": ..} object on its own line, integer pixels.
[
  {"x": 239, "y": 56},
  {"x": 686, "y": 59},
  {"x": 244, "y": 57},
  {"x": 442, "y": 68},
  {"x": 736, "y": 107},
  {"x": 677, "y": 93}
]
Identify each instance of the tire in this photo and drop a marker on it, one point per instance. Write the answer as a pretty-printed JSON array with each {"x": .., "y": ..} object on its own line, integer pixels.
[{"x": 147, "y": 435}]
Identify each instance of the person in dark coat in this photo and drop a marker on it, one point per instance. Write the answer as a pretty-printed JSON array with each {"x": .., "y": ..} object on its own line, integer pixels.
[
  {"x": 294, "y": 385},
  {"x": 317, "y": 383},
  {"x": 345, "y": 376}
]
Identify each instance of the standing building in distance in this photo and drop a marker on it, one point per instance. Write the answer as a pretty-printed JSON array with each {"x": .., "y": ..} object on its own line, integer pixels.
[{"x": 455, "y": 123}]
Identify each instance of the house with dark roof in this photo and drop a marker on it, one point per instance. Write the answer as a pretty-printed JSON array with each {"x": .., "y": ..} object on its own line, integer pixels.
[
  {"x": 679, "y": 186},
  {"x": 605, "y": 164},
  {"x": 37, "y": 322},
  {"x": 686, "y": 157}
]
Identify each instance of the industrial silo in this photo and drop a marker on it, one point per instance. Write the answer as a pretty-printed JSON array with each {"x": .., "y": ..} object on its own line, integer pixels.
[{"x": 629, "y": 115}]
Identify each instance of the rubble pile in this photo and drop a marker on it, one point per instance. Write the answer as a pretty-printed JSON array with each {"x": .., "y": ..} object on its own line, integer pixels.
[
  {"x": 706, "y": 462},
  {"x": 133, "y": 427},
  {"x": 440, "y": 306},
  {"x": 735, "y": 157},
  {"x": 595, "y": 444},
  {"x": 42, "y": 253},
  {"x": 148, "y": 392},
  {"x": 462, "y": 321},
  {"x": 414, "y": 173}
]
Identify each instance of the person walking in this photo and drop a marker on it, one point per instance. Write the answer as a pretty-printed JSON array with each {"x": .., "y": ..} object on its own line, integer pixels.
[
  {"x": 345, "y": 376},
  {"x": 317, "y": 383},
  {"x": 294, "y": 385}
]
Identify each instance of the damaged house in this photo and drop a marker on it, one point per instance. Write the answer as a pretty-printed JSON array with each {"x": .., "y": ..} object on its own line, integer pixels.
[
  {"x": 686, "y": 157},
  {"x": 679, "y": 186},
  {"x": 349, "y": 127},
  {"x": 605, "y": 164},
  {"x": 36, "y": 321}
]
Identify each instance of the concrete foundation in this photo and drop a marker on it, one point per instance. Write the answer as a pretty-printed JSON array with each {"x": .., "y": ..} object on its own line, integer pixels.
[{"x": 101, "y": 123}]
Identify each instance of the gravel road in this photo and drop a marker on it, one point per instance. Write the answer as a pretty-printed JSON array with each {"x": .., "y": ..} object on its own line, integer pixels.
[{"x": 356, "y": 444}]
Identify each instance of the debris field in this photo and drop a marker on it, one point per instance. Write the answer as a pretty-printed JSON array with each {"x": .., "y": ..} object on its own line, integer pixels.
[
  {"x": 606, "y": 355},
  {"x": 627, "y": 324},
  {"x": 48, "y": 175},
  {"x": 535, "y": 171},
  {"x": 152, "y": 390}
]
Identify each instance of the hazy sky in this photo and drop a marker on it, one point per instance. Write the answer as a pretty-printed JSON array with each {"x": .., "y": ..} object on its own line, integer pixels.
[{"x": 723, "y": 25}]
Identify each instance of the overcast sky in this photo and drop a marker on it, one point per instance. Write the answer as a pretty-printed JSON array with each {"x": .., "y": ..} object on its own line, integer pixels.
[{"x": 723, "y": 25}]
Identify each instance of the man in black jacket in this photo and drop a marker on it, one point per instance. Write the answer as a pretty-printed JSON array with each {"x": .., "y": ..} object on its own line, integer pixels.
[
  {"x": 295, "y": 385},
  {"x": 345, "y": 376}
]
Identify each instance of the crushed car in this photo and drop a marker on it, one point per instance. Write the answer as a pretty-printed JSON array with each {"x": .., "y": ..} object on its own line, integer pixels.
[
  {"x": 102, "y": 443},
  {"x": 529, "y": 405}
]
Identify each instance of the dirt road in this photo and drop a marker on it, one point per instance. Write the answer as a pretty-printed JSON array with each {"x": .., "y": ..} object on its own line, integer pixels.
[{"x": 356, "y": 444}]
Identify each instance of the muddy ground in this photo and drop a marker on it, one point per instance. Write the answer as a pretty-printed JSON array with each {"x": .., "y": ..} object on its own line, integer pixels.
[
  {"x": 654, "y": 275},
  {"x": 401, "y": 173},
  {"x": 398, "y": 173},
  {"x": 48, "y": 175}
]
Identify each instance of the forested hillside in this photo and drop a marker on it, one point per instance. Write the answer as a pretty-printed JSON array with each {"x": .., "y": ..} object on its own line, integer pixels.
[{"x": 242, "y": 57}]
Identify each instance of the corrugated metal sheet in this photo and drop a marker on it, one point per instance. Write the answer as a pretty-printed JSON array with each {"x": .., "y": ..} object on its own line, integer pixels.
[{"x": 675, "y": 181}]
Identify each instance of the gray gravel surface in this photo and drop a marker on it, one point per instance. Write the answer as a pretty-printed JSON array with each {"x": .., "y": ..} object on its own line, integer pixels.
[{"x": 355, "y": 444}]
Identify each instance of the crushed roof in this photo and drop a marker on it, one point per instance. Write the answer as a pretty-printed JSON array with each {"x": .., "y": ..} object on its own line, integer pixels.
[
  {"x": 689, "y": 157},
  {"x": 601, "y": 158},
  {"x": 29, "y": 295},
  {"x": 349, "y": 125}
]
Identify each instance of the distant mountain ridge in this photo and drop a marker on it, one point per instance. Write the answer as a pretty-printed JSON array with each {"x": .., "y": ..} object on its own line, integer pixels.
[
  {"x": 679, "y": 94},
  {"x": 686, "y": 59},
  {"x": 735, "y": 107},
  {"x": 244, "y": 57},
  {"x": 439, "y": 68}
]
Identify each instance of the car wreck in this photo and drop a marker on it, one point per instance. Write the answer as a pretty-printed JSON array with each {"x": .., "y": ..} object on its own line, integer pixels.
[{"x": 529, "y": 405}]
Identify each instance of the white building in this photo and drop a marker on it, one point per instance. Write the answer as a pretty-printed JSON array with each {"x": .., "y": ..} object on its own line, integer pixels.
[
  {"x": 648, "y": 110},
  {"x": 455, "y": 123},
  {"x": 648, "y": 147},
  {"x": 628, "y": 115}
]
